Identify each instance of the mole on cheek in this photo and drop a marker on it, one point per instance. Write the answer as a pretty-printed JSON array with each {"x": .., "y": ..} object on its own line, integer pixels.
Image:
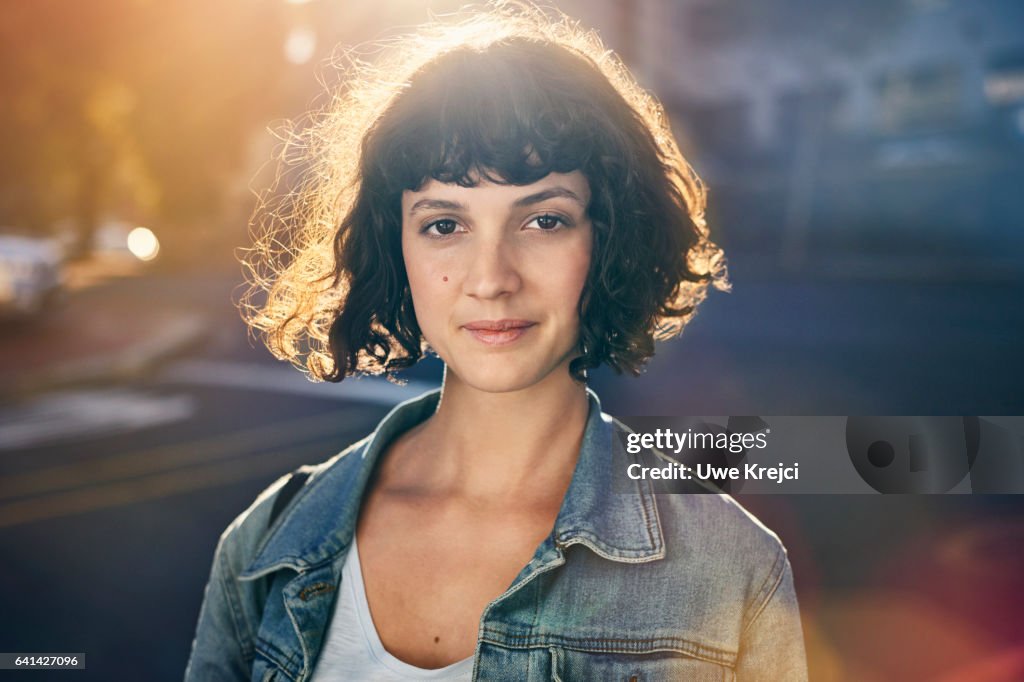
[{"x": 445, "y": 278}]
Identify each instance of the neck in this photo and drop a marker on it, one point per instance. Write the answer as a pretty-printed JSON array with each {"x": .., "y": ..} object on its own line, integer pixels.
[{"x": 517, "y": 445}]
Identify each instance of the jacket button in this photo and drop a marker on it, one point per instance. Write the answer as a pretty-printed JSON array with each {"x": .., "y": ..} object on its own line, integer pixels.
[{"x": 315, "y": 590}]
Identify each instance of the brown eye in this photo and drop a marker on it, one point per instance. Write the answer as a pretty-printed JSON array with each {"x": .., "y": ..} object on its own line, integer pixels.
[
  {"x": 445, "y": 226},
  {"x": 547, "y": 221}
]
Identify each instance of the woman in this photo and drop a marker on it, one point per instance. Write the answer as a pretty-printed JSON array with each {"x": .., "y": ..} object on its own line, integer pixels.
[{"x": 500, "y": 192}]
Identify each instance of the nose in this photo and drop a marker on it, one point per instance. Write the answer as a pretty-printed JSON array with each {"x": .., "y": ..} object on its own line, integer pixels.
[{"x": 493, "y": 271}]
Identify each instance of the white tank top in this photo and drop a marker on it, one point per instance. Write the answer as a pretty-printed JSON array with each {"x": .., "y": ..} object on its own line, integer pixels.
[{"x": 352, "y": 649}]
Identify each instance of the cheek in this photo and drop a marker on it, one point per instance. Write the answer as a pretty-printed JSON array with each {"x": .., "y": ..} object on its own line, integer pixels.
[
  {"x": 427, "y": 274},
  {"x": 572, "y": 267},
  {"x": 429, "y": 285}
]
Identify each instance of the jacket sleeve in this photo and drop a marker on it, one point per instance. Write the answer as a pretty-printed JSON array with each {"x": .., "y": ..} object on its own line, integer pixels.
[
  {"x": 772, "y": 643},
  {"x": 225, "y": 641},
  {"x": 222, "y": 649}
]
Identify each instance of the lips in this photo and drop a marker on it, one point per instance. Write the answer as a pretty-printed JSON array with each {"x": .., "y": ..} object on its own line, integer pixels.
[
  {"x": 498, "y": 332},
  {"x": 497, "y": 325}
]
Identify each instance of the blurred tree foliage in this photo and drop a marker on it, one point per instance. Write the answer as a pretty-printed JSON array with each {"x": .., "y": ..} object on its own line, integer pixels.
[{"x": 138, "y": 108}]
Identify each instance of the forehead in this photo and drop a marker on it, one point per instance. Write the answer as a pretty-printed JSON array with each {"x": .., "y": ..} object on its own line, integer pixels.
[{"x": 572, "y": 187}]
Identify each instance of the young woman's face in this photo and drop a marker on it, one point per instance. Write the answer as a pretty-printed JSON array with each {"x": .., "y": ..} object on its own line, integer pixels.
[{"x": 496, "y": 273}]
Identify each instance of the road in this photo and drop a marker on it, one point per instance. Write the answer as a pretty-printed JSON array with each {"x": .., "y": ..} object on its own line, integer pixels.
[{"x": 112, "y": 496}]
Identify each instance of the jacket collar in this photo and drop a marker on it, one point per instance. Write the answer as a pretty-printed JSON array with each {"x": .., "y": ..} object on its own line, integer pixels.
[{"x": 617, "y": 524}]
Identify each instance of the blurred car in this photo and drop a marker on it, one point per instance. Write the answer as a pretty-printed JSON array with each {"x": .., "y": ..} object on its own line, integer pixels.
[{"x": 31, "y": 274}]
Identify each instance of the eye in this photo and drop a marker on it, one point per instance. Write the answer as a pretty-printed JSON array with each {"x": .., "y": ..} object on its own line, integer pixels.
[
  {"x": 548, "y": 222},
  {"x": 441, "y": 228}
]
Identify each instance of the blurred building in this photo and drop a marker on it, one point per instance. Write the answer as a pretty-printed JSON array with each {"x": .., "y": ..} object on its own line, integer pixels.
[
  {"x": 739, "y": 88},
  {"x": 878, "y": 127}
]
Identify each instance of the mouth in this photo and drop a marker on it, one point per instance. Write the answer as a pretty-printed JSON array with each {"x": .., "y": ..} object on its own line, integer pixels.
[{"x": 498, "y": 332}]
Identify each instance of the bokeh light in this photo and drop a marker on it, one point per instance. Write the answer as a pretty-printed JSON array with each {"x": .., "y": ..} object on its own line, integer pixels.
[
  {"x": 300, "y": 45},
  {"x": 143, "y": 243}
]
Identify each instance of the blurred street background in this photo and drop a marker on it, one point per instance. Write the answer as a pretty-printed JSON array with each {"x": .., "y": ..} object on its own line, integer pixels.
[{"x": 865, "y": 163}]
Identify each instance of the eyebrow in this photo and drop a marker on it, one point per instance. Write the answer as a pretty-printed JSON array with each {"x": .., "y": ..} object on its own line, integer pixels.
[
  {"x": 528, "y": 200},
  {"x": 546, "y": 194}
]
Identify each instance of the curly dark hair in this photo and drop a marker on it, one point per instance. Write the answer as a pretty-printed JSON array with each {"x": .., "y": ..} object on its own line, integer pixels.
[{"x": 509, "y": 95}]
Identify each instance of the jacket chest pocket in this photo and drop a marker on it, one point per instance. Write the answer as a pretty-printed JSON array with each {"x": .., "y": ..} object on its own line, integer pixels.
[
  {"x": 261, "y": 672},
  {"x": 265, "y": 671},
  {"x": 568, "y": 665}
]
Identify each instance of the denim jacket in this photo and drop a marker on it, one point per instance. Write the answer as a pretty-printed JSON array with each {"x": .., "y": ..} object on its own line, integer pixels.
[{"x": 628, "y": 586}]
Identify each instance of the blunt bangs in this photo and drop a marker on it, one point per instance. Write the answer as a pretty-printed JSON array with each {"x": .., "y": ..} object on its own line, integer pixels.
[{"x": 507, "y": 115}]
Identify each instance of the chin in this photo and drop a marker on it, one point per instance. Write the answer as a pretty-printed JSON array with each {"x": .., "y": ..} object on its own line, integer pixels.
[
  {"x": 501, "y": 377},
  {"x": 498, "y": 384}
]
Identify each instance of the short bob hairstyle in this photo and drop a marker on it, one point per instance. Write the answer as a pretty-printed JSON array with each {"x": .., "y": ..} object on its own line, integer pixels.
[{"x": 509, "y": 93}]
